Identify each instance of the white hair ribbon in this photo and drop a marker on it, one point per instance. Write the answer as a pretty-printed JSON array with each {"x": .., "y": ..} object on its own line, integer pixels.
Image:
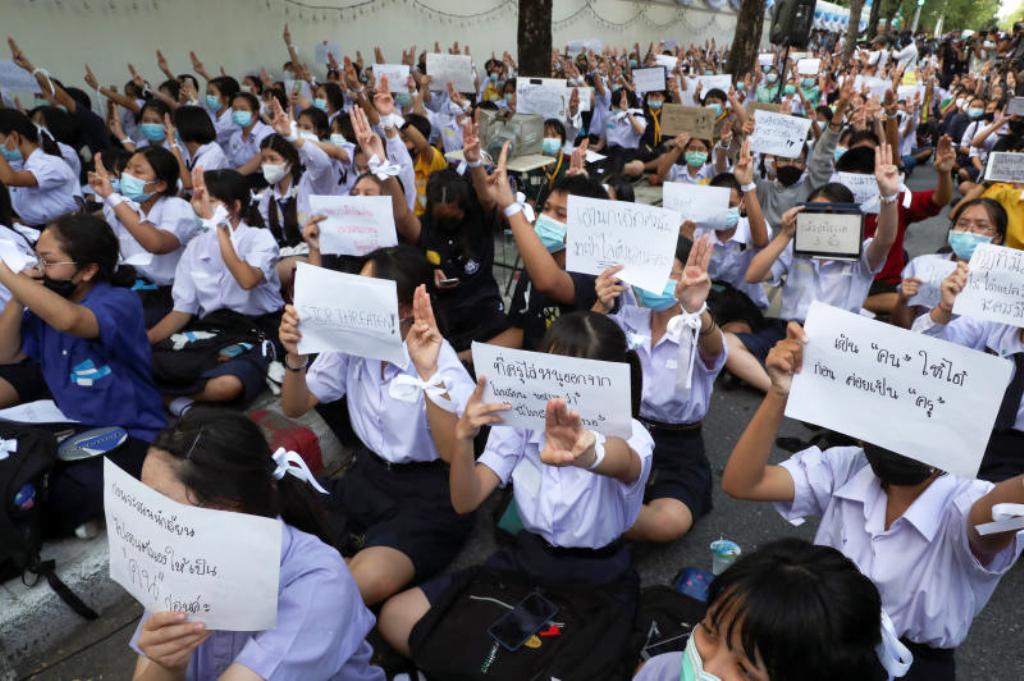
[
  {"x": 1005, "y": 518},
  {"x": 406, "y": 388},
  {"x": 382, "y": 169},
  {"x": 622, "y": 114},
  {"x": 895, "y": 657},
  {"x": 527, "y": 208},
  {"x": 291, "y": 462},
  {"x": 686, "y": 326}
]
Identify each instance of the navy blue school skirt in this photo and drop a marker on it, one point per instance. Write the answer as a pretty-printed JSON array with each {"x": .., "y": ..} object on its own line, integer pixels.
[{"x": 680, "y": 469}]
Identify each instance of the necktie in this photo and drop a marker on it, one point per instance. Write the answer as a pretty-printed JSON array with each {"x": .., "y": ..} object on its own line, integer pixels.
[{"x": 1007, "y": 415}]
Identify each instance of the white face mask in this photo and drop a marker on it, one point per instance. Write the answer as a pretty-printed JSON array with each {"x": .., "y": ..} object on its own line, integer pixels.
[
  {"x": 693, "y": 666},
  {"x": 274, "y": 172},
  {"x": 308, "y": 135}
]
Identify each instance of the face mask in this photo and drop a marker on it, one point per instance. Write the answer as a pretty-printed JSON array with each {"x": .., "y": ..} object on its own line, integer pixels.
[
  {"x": 693, "y": 666},
  {"x": 716, "y": 108},
  {"x": 839, "y": 152},
  {"x": 274, "y": 172},
  {"x": 551, "y": 233},
  {"x": 320, "y": 103},
  {"x": 964, "y": 243},
  {"x": 493, "y": 77},
  {"x": 975, "y": 113},
  {"x": 732, "y": 217},
  {"x": 788, "y": 175},
  {"x": 62, "y": 287},
  {"x": 551, "y": 145},
  {"x": 508, "y": 97},
  {"x": 655, "y": 104},
  {"x": 659, "y": 302},
  {"x": 213, "y": 103},
  {"x": 308, "y": 135},
  {"x": 894, "y": 469},
  {"x": 741, "y": 87},
  {"x": 695, "y": 159},
  {"x": 632, "y": 63},
  {"x": 708, "y": 72},
  {"x": 789, "y": 89},
  {"x": 771, "y": 77},
  {"x": 807, "y": 82},
  {"x": 337, "y": 139},
  {"x": 242, "y": 119},
  {"x": 12, "y": 155},
  {"x": 403, "y": 99},
  {"x": 133, "y": 188},
  {"x": 154, "y": 132}
]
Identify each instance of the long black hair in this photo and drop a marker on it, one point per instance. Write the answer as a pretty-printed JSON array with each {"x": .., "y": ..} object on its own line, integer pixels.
[
  {"x": 12, "y": 120},
  {"x": 405, "y": 265},
  {"x": 230, "y": 186},
  {"x": 224, "y": 460},
  {"x": 88, "y": 240},
  {"x": 165, "y": 167}
]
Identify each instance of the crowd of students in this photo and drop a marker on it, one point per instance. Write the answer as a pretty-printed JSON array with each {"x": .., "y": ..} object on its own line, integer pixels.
[{"x": 163, "y": 216}]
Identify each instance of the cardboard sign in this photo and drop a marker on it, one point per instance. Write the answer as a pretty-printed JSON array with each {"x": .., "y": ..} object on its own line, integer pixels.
[
  {"x": 649, "y": 80},
  {"x": 547, "y": 97},
  {"x": 397, "y": 75},
  {"x": 808, "y": 67},
  {"x": 599, "y": 391},
  {"x": 995, "y": 286},
  {"x": 16, "y": 79},
  {"x": 919, "y": 396},
  {"x": 693, "y": 120},
  {"x": 355, "y": 225},
  {"x": 705, "y": 205},
  {"x": 779, "y": 134},
  {"x": 456, "y": 69},
  {"x": 1005, "y": 166}
]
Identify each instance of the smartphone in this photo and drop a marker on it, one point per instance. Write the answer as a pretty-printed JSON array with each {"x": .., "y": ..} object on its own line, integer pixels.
[{"x": 515, "y": 627}]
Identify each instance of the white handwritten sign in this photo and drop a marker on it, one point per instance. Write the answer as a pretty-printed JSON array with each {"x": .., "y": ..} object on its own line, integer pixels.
[
  {"x": 829, "y": 235},
  {"x": 17, "y": 79},
  {"x": 705, "y": 205},
  {"x": 599, "y": 391},
  {"x": 456, "y": 69},
  {"x": 649, "y": 80},
  {"x": 547, "y": 97},
  {"x": 765, "y": 60},
  {"x": 347, "y": 313},
  {"x": 219, "y": 567},
  {"x": 779, "y": 134},
  {"x": 930, "y": 269},
  {"x": 1004, "y": 166},
  {"x": 575, "y": 47},
  {"x": 397, "y": 75},
  {"x": 602, "y": 233},
  {"x": 995, "y": 286},
  {"x": 586, "y": 98},
  {"x": 808, "y": 67},
  {"x": 877, "y": 86},
  {"x": 864, "y": 188},
  {"x": 355, "y": 225},
  {"x": 666, "y": 60},
  {"x": 721, "y": 81},
  {"x": 860, "y": 377},
  {"x": 1015, "y": 107}
]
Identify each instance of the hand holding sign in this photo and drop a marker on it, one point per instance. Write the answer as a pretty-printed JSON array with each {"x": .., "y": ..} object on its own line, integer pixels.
[
  {"x": 169, "y": 640},
  {"x": 786, "y": 358}
]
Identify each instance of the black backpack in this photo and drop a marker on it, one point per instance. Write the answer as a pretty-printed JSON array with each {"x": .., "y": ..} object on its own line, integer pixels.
[
  {"x": 23, "y": 486},
  {"x": 666, "y": 620}
]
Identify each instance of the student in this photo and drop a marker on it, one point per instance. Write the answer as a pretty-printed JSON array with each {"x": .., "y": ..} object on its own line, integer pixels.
[
  {"x": 537, "y": 184},
  {"x": 244, "y": 144},
  {"x": 620, "y": 138},
  {"x": 229, "y": 266},
  {"x": 195, "y": 130},
  {"x": 42, "y": 185},
  {"x": 667, "y": 330},
  {"x": 789, "y": 611},
  {"x": 395, "y": 496},
  {"x": 16, "y": 233},
  {"x": 220, "y": 92},
  {"x": 221, "y": 460},
  {"x": 429, "y": 160},
  {"x": 695, "y": 152},
  {"x": 576, "y": 491},
  {"x": 152, "y": 126},
  {"x": 78, "y": 339},
  {"x": 58, "y": 125},
  {"x": 889, "y": 514},
  {"x": 152, "y": 224}
]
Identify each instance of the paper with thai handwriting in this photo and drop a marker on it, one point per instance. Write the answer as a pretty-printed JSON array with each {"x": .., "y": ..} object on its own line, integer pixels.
[
  {"x": 696, "y": 121},
  {"x": 586, "y": 95},
  {"x": 603, "y": 233},
  {"x": 1005, "y": 166},
  {"x": 355, "y": 225},
  {"x": 649, "y": 80},
  {"x": 931, "y": 270},
  {"x": 808, "y": 67},
  {"x": 40, "y": 411},
  {"x": 922, "y": 397},
  {"x": 765, "y": 59},
  {"x": 829, "y": 235},
  {"x": 721, "y": 81},
  {"x": 456, "y": 69},
  {"x": 218, "y": 567},
  {"x": 348, "y": 313},
  {"x": 995, "y": 286},
  {"x": 877, "y": 86},
  {"x": 864, "y": 188},
  {"x": 705, "y": 205},
  {"x": 17, "y": 79},
  {"x": 547, "y": 97},
  {"x": 779, "y": 134},
  {"x": 599, "y": 391},
  {"x": 397, "y": 75}
]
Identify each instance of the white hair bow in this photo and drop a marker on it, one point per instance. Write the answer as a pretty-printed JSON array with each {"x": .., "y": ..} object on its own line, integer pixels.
[
  {"x": 290, "y": 462},
  {"x": 622, "y": 114},
  {"x": 1005, "y": 518},
  {"x": 406, "y": 388},
  {"x": 685, "y": 327},
  {"x": 382, "y": 169},
  {"x": 527, "y": 208},
  {"x": 895, "y": 657}
]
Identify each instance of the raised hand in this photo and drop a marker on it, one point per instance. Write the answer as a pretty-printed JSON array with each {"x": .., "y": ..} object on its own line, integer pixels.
[
  {"x": 497, "y": 182},
  {"x": 479, "y": 413},
  {"x": 566, "y": 442},
  {"x": 695, "y": 284},
  {"x": 170, "y": 134},
  {"x": 744, "y": 169},
  {"x": 280, "y": 119},
  {"x": 424, "y": 339},
  {"x": 90, "y": 78},
  {"x": 952, "y": 286},
  {"x": 577, "y": 162},
  {"x": 201, "y": 203},
  {"x": 18, "y": 56},
  {"x": 608, "y": 286},
  {"x": 366, "y": 138},
  {"x": 311, "y": 231},
  {"x": 786, "y": 358},
  {"x": 382, "y": 99},
  {"x": 161, "y": 62},
  {"x": 886, "y": 173},
  {"x": 471, "y": 139},
  {"x": 789, "y": 220},
  {"x": 288, "y": 332},
  {"x": 99, "y": 179},
  {"x": 945, "y": 155}
]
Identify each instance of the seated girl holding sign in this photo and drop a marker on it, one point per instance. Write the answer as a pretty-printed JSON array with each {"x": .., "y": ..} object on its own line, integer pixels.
[
  {"x": 577, "y": 491},
  {"x": 681, "y": 350},
  {"x": 394, "y": 500},
  {"x": 911, "y": 528},
  {"x": 220, "y": 460}
]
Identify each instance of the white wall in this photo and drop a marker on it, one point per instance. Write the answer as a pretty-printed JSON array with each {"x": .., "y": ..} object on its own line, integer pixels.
[{"x": 241, "y": 35}]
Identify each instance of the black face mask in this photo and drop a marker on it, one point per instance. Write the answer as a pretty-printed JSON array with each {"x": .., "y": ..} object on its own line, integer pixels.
[
  {"x": 62, "y": 287},
  {"x": 895, "y": 469},
  {"x": 788, "y": 175}
]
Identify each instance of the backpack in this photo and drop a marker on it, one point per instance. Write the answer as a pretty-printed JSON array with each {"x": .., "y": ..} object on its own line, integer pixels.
[
  {"x": 24, "y": 474},
  {"x": 219, "y": 336},
  {"x": 666, "y": 619}
]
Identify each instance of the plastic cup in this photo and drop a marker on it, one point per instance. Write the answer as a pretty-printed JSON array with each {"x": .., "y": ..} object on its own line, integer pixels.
[{"x": 724, "y": 553}]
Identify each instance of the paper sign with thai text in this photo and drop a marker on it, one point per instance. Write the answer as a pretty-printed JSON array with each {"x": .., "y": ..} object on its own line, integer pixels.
[
  {"x": 808, "y": 67},
  {"x": 829, "y": 235},
  {"x": 456, "y": 69},
  {"x": 397, "y": 75},
  {"x": 779, "y": 134},
  {"x": 547, "y": 97},
  {"x": 1005, "y": 166},
  {"x": 355, "y": 225},
  {"x": 649, "y": 80},
  {"x": 705, "y": 205},
  {"x": 865, "y": 190},
  {"x": 930, "y": 270},
  {"x": 995, "y": 286}
]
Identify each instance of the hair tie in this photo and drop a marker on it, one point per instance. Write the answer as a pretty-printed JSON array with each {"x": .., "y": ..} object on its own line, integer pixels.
[
  {"x": 290, "y": 462},
  {"x": 895, "y": 657},
  {"x": 382, "y": 169},
  {"x": 527, "y": 208}
]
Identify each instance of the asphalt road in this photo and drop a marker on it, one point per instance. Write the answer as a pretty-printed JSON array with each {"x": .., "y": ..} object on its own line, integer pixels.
[{"x": 993, "y": 652}]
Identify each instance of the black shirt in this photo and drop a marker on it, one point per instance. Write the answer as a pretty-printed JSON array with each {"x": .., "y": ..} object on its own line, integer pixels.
[{"x": 535, "y": 312}]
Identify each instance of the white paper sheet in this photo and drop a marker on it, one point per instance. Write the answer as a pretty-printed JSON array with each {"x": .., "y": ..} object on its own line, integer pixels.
[
  {"x": 547, "y": 97},
  {"x": 219, "y": 567},
  {"x": 765, "y": 60},
  {"x": 864, "y": 188},
  {"x": 808, "y": 67},
  {"x": 40, "y": 411},
  {"x": 919, "y": 396},
  {"x": 450, "y": 68},
  {"x": 704, "y": 205},
  {"x": 1015, "y": 107},
  {"x": 649, "y": 80},
  {"x": 779, "y": 134},
  {"x": 666, "y": 60},
  {"x": 1004, "y": 166},
  {"x": 397, "y": 75},
  {"x": 586, "y": 98},
  {"x": 348, "y": 313},
  {"x": 355, "y": 225},
  {"x": 995, "y": 286},
  {"x": 722, "y": 81},
  {"x": 931, "y": 272},
  {"x": 602, "y": 233},
  {"x": 323, "y": 49},
  {"x": 599, "y": 391}
]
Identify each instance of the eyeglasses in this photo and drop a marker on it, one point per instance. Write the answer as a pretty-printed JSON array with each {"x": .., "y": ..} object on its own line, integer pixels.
[
  {"x": 43, "y": 265},
  {"x": 974, "y": 226}
]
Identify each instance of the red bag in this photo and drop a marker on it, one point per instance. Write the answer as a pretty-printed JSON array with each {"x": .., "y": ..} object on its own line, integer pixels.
[{"x": 282, "y": 431}]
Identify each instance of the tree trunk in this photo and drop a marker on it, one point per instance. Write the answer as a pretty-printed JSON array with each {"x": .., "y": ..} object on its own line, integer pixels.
[
  {"x": 746, "y": 42},
  {"x": 534, "y": 38},
  {"x": 853, "y": 28},
  {"x": 876, "y": 13}
]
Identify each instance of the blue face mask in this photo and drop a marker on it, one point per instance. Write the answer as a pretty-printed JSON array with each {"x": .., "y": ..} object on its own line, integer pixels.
[
  {"x": 213, "y": 103},
  {"x": 337, "y": 139},
  {"x": 839, "y": 152},
  {"x": 320, "y": 103},
  {"x": 241, "y": 118},
  {"x": 975, "y": 113},
  {"x": 708, "y": 72},
  {"x": 551, "y": 233},
  {"x": 632, "y": 63},
  {"x": 741, "y": 86},
  {"x": 717, "y": 108},
  {"x": 550, "y": 146},
  {"x": 696, "y": 159},
  {"x": 789, "y": 89},
  {"x": 659, "y": 302},
  {"x": 154, "y": 132},
  {"x": 508, "y": 96},
  {"x": 964, "y": 243},
  {"x": 134, "y": 188},
  {"x": 403, "y": 100},
  {"x": 807, "y": 82},
  {"x": 732, "y": 217},
  {"x": 655, "y": 104},
  {"x": 771, "y": 77},
  {"x": 12, "y": 155}
]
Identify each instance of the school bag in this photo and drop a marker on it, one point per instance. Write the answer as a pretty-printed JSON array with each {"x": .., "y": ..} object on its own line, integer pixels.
[
  {"x": 27, "y": 455},
  {"x": 591, "y": 640},
  {"x": 667, "y": 617},
  {"x": 282, "y": 431}
]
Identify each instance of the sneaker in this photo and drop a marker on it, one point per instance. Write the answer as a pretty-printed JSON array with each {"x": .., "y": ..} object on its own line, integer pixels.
[
  {"x": 91, "y": 443},
  {"x": 180, "y": 405}
]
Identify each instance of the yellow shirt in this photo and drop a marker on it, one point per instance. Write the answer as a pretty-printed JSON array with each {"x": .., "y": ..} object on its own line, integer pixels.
[
  {"x": 423, "y": 172},
  {"x": 1010, "y": 198}
]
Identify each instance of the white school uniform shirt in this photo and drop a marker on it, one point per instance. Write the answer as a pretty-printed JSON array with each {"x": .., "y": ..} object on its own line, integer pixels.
[
  {"x": 681, "y": 173},
  {"x": 394, "y": 430},
  {"x": 731, "y": 258},
  {"x": 620, "y": 132},
  {"x": 567, "y": 506},
  {"x": 1001, "y": 340},
  {"x": 840, "y": 283},
  {"x": 204, "y": 284},
  {"x": 397, "y": 153},
  {"x": 54, "y": 195},
  {"x": 21, "y": 243},
  {"x": 224, "y": 126},
  {"x": 931, "y": 584},
  {"x": 601, "y": 108},
  {"x": 662, "y": 401},
  {"x": 168, "y": 213},
  {"x": 70, "y": 157},
  {"x": 240, "y": 148},
  {"x": 318, "y": 177},
  {"x": 209, "y": 157},
  {"x": 931, "y": 269}
]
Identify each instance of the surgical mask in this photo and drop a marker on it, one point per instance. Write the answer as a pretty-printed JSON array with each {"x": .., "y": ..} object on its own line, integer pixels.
[
  {"x": 213, "y": 102},
  {"x": 659, "y": 302},
  {"x": 550, "y": 146},
  {"x": 741, "y": 86},
  {"x": 732, "y": 217},
  {"x": 839, "y": 152},
  {"x": 696, "y": 159},
  {"x": 788, "y": 175},
  {"x": 789, "y": 89},
  {"x": 717, "y": 108},
  {"x": 493, "y": 77},
  {"x": 551, "y": 233},
  {"x": 320, "y": 103},
  {"x": 633, "y": 63},
  {"x": 62, "y": 287},
  {"x": 894, "y": 469},
  {"x": 242, "y": 119},
  {"x": 308, "y": 135},
  {"x": 133, "y": 188},
  {"x": 655, "y": 104},
  {"x": 154, "y": 132},
  {"x": 771, "y": 77},
  {"x": 709, "y": 72},
  {"x": 974, "y": 112},
  {"x": 693, "y": 666},
  {"x": 807, "y": 82},
  {"x": 12, "y": 155},
  {"x": 274, "y": 172},
  {"x": 337, "y": 139},
  {"x": 964, "y": 243},
  {"x": 403, "y": 99},
  {"x": 508, "y": 97}
]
